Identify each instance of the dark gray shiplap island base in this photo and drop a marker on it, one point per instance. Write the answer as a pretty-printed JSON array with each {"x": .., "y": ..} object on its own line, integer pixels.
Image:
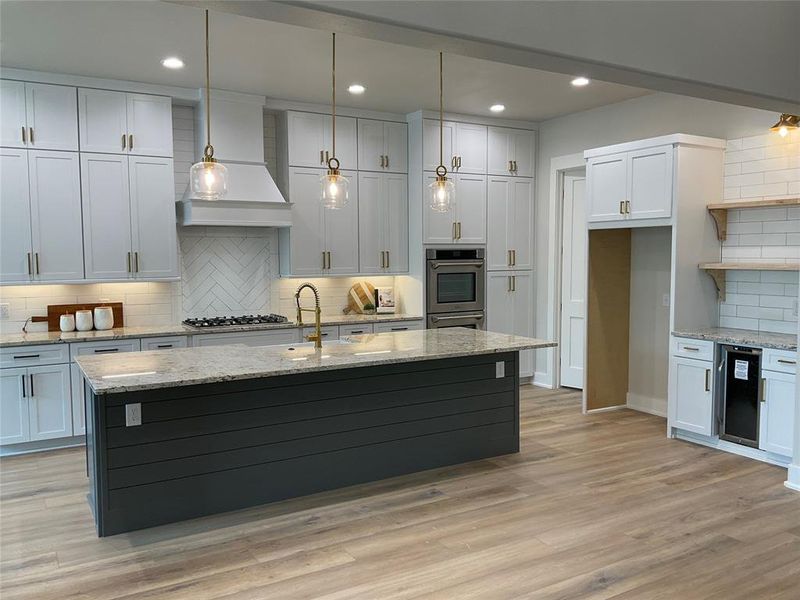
[{"x": 228, "y": 427}]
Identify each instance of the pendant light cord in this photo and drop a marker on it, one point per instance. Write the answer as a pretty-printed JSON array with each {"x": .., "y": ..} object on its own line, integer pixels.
[
  {"x": 209, "y": 150},
  {"x": 441, "y": 113},
  {"x": 333, "y": 98}
]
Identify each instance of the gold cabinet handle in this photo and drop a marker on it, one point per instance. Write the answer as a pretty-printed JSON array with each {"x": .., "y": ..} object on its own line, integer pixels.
[
  {"x": 510, "y": 166},
  {"x": 514, "y": 258},
  {"x": 708, "y": 380},
  {"x": 323, "y": 261},
  {"x": 387, "y": 161},
  {"x": 30, "y": 268},
  {"x": 329, "y": 261},
  {"x": 30, "y": 134},
  {"x": 124, "y": 141},
  {"x": 382, "y": 161},
  {"x": 130, "y": 142},
  {"x": 327, "y": 157},
  {"x": 763, "y": 389},
  {"x": 24, "y": 137},
  {"x": 129, "y": 262},
  {"x": 458, "y": 162},
  {"x": 515, "y": 166},
  {"x": 459, "y": 230},
  {"x": 383, "y": 260},
  {"x": 622, "y": 207},
  {"x": 36, "y": 261},
  {"x": 322, "y": 157},
  {"x": 136, "y": 261},
  {"x": 627, "y": 207},
  {"x": 509, "y": 283},
  {"x": 513, "y": 283},
  {"x": 387, "y": 259},
  {"x": 453, "y": 163},
  {"x": 455, "y": 235},
  {"x": 508, "y": 260}
]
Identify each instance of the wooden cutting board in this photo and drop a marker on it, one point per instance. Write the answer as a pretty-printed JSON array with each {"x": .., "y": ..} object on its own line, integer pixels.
[{"x": 54, "y": 312}]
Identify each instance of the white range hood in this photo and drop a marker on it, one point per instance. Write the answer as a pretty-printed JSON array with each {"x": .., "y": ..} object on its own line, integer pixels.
[{"x": 237, "y": 134}]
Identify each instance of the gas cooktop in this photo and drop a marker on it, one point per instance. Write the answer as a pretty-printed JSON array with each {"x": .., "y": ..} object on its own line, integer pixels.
[{"x": 232, "y": 321}]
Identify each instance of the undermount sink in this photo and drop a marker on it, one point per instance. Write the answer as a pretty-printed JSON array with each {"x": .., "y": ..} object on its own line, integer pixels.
[{"x": 290, "y": 347}]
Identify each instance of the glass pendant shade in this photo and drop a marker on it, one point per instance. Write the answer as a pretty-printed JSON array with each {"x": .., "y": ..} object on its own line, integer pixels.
[
  {"x": 208, "y": 180},
  {"x": 441, "y": 194},
  {"x": 335, "y": 190}
]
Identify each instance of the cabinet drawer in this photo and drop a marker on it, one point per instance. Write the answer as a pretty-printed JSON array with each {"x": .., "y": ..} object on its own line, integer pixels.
[
  {"x": 399, "y": 326},
  {"x": 165, "y": 343},
  {"x": 360, "y": 329},
  {"x": 248, "y": 338},
  {"x": 109, "y": 347},
  {"x": 31, "y": 356},
  {"x": 783, "y": 361},
  {"x": 688, "y": 348},
  {"x": 331, "y": 332}
]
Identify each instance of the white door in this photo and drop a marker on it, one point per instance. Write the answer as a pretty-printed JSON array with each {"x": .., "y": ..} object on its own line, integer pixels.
[
  {"x": 606, "y": 187},
  {"x": 430, "y": 144},
  {"x": 499, "y": 151},
  {"x": 499, "y": 222},
  {"x": 52, "y": 114},
  {"x": 341, "y": 233},
  {"x": 49, "y": 403},
  {"x": 777, "y": 413},
  {"x": 370, "y": 145},
  {"x": 14, "y": 419},
  {"x": 102, "y": 120},
  {"x": 56, "y": 224},
  {"x": 308, "y": 232},
  {"x": 371, "y": 221},
  {"x": 524, "y": 144},
  {"x": 471, "y": 208},
  {"x": 346, "y": 141},
  {"x": 650, "y": 183},
  {"x": 520, "y": 226},
  {"x": 78, "y": 399},
  {"x": 153, "y": 229},
  {"x": 306, "y": 140},
  {"x": 149, "y": 125},
  {"x": 439, "y": 227},
  {"x": 694, "y": 405},
  {"x": 395, "y": 141},
  {"x": 471, "y": 148},
  {"x": 396, "y": 221},
  {"x": 106, "y": 216},
  {"x": 573, "y": 282},
  {"x": 522, "y": 297},
  {"x": 15, "y": 217},
  {"x": 499, "y": 303},
  {"x": 13, "y": 125}
]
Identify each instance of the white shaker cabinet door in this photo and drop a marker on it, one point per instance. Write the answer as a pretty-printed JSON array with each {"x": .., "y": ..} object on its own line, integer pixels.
[
  {"x": 371, "y": 222},
  {"x": 524, "y": 143},
  {"x": 471, "y": 208},
  {"x": 307, "y": 232},
  {"x": 521, "y": 225},
  {"x": 14, "y": 418},
  {"x": 106, "y": 216},
  {"x": 499, "y": 303},
  {"x": 694, "y": 405},
  {"x": 439, "y": 227},
  {"x": 56, "y": 224},
  {"x": 149, "y": 125},
  {"x": 49, "y": 404},
  {"x": 396, "y": 222},
  {"x": 607, "y": 187},
  {"x": 341, "y": 233},
  {"x": 471, "y": 148},
  {"x": 346, "y": 141},
  {"x": 152, "y": 192},
  {"x": 777, "y": 413},
  {"x": 522, "y": 296},
  {"x": 13, "y": 125},
  {"x": 306, "y": 139},
  {"x": 500, "y": 149},
  {"x": 499, "y": 222},
  {"x": 15, "y": 217},
  {"x": 52, "y": 114},
  {"x": 371, "y": 155},
  {"x": 102, "y": 118},
  {"x": 650, "y": 183},
  {"x": 395, "y": 139},
  {"x": 430, "y": 144},
  {"x": 78, "y": 400}
]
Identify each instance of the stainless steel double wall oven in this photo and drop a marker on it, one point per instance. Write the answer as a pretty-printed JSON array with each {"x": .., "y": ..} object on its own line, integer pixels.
[{"x": 456, "y": 288}]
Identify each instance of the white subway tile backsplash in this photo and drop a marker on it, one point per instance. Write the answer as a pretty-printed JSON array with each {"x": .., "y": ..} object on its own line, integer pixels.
[{"x": 738, "y": 323}]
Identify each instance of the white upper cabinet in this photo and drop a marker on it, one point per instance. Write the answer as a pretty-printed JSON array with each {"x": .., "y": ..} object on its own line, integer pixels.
[
  {"x": 430, "y": 144},
  {"x": 311, "y": 140},
  {"x": 508, "y": 239},
  {"x": 470, "y": 148},
  {"x": 383, "y": 222},
  {"x": 634, "y": 185},
  {"x": 15, "y": 217},
  {"x": 341, "y": 233},
  {"x": 120, "y": 123},
  {"x": 510, "y": 151},
  {"x": 382, "y": 146},
  {"x": 465, "y": 222},
  {"x": 38, "y": 115},
  {"x": 153, "y": 229},
  {"x": 56, "y": 224},
  {"x": 776, "y": 420}
]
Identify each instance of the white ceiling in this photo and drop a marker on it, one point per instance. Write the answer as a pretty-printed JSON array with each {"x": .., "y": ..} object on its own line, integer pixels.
[{"x": 127, "y": 40}]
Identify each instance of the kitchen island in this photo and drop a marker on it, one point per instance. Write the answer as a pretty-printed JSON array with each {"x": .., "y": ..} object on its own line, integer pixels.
[{"x": 190, "y": 432}]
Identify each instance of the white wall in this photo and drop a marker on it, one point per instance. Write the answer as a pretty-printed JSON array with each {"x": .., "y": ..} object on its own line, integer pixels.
[{"x": 648, "y": 116}]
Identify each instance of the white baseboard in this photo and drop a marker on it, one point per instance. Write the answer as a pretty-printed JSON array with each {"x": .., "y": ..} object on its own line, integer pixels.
[
  {"x": 645, "y": 404},
  {"x": 793, "y": 481},
  {"x": 540, "y": 379},
  {"x": 726, "y": 446},
  {"x": 42, "y": 446},
  {"x": 606, "y": 409}
]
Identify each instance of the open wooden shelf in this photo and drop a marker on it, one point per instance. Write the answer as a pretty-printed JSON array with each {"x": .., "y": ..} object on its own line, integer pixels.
[
  {"x": 720, "y": 210},
  {"x": 717, "y": 270}
]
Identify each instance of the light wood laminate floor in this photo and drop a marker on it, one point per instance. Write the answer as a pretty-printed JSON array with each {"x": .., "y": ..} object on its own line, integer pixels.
[{"x": 601, "y": 506}]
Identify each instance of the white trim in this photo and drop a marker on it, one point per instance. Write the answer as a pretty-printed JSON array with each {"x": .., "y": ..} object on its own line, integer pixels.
[
  {"x": 606, "y": 409},
  {"x": 726, "y": 446},
  {"x": 42, "y": 446},
  {"x": 538, "y": 377},
  {"x": 793, "y": 480},
  {"x": 682, "y": 139},
  {"x": 277, "y": 104},
  {"x": 478, "y": 120}
]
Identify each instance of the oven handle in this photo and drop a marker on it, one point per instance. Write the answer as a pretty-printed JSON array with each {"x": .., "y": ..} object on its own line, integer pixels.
[
  {"x": 476, "y": 317},
  {"x": 471, "y": 263}
]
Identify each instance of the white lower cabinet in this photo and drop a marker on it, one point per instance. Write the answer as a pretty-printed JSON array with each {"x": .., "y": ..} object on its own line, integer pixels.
[
  {"x": 776, "y": 419},
  {"x": 399, "y": 326},
  {"x": 35, "y": 403},
  {"x": 509, "y": 309},
  {"x": 248, "y": 338},
  {"x": 360, "y": 329},
  {"x": 329, "y": 332},
  {"x": 14, "y": 419},
  {"x": 165, "y": 343},
  {"x": 692, "y": 398},
  {"x": 383, "y": 222}
]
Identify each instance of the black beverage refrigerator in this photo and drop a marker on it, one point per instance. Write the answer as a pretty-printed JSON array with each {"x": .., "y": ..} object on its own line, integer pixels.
[{"x": 741, "y": 395}]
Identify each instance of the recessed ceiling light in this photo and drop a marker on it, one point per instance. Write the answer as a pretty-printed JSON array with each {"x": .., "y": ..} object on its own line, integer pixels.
[
  {"x": 172, "y": 62},
  {"x": 497, "y": 107},
  {"x": 580, "y": 81},
  {"x": 356, "y": 88}
]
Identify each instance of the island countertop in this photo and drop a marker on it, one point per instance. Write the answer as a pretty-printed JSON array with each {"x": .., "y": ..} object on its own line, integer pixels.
[{"x": 192, "y": 366}]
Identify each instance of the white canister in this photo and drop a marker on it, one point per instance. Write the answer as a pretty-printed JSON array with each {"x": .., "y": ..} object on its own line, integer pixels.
[
  {"x": 103, "y": 317},
  {"x": 67, "y": 322},
  {"x": 83, "y": 320}
]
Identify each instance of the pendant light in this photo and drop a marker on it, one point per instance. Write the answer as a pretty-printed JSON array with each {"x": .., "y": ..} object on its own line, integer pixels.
[
  {"x": 786, "y": 123},
  {"x": 208, "y": 178},
  {"x": 442, "y": 190},
  {"x": 335, "y": 188}
]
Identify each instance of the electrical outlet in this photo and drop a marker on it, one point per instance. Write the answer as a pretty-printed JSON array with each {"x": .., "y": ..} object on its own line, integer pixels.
[
  {"x": 5, "y": 311},
  {"x": 665, "y": 300},
  {"x": 133, "y": 415}
]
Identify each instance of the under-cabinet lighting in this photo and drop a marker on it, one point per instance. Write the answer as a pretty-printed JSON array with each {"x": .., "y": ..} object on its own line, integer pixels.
[
  {"x": 121, "y": 375},
  {"x": 580, "y": 81}
]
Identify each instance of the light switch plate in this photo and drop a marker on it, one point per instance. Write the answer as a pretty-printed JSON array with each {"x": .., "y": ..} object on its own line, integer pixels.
[
  {"x": 499, "y": 369},
  {"x": 665, "y": 300},
  {"x": 133, "y": 415}
]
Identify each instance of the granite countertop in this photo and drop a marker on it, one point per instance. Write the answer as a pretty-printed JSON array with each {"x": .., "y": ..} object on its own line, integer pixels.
[
  {"x": 746, "y": 337},
  {"x": 114, "y": 373},
  {"x": 121, "y": 333}
]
